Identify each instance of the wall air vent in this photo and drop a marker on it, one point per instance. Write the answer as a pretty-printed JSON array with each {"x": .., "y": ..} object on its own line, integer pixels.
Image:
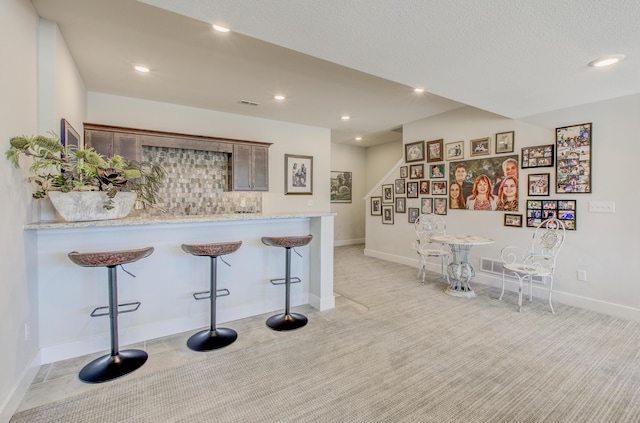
[{"x": 249, "y": 103}]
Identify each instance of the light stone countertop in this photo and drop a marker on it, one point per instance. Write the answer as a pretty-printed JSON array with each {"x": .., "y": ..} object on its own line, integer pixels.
[{"x": 162, "y": 220}]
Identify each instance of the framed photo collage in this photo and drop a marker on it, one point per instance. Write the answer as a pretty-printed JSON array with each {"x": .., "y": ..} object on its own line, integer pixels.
[{"x": 490, "y": 180}]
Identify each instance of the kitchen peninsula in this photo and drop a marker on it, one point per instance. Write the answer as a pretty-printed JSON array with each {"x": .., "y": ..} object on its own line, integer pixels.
[{"x": 166, "y": 280}]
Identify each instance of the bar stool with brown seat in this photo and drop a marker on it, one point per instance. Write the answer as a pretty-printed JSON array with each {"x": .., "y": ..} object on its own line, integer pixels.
[
  {"x": 287, "y": 320},
  {"x": 212, "y": 338},
  {"x": 117, "y": 363}
]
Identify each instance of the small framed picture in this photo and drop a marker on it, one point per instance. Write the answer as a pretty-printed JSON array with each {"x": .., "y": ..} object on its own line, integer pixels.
[
  {"x": 401, "y": 205},
  {"x": 387, "y": 193},
  {"x": 455, "y": 150},
  {"x": 414, "y": 152},
  {"x": 513, "y": 220},
  {"x": 414, "y": 212},
  {"x": 298, "y": 175},
  {"x": 404, "y": 172},
  {"x": 376, "y": 206},
  {"x": 539, "y": 156},
  {"x": 504, "y": 142},
  {"x": 538, "y": 184},
  {"x": 424, "y": 187},
  {"x": 440, "y": 206},
  {"x": 416, "y": 171},
  {"x": 69, "y": 137},
  {"x": 436, "y": 171},
  {"x": 426, "y": 205},
  {"x": 438, "y": 187},
  {"x": 480, "y": 146},
  {"x": 434, "y": 151},
  {"x": 341, "y": 186},
  {"x": 387, "y": 215},
  {"x": 399, "y": 186},
  {"x": 412, "y": 189}
]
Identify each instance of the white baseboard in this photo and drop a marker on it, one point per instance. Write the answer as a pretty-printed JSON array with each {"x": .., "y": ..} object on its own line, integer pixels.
[
  {"x": 17, "y": 393},
  {"x": 541, "y": 292},
  {"x": 344, "y": 242}
]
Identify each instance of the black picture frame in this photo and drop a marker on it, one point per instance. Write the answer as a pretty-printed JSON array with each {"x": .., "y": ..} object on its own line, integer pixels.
[
  {"x": 341, "y": 186},
  {"x": 69, "y": 137},
  {"x": 416, "y": 171},
  {"x": 376, "y": 206},
  {"x": 540, "y": 210},
  {"x": 399, "y": 188},
  {"x": 412, "y": 189},
  {"x": 387, "y": 193},
  {"x": 505, "y": 142},
  {"x": 414, "y": 213},
  {"x": 538, "y": 184},
  {"x": 440, "y": 206},
  {"x": 435, "y": 151},
  {"x": 401, "y": 205},
  {"x": 404, "y": 171},
  {"x": 414, "y": 152},
  {"x": 387, "y": 214},
  {"x": 538, "y": 156},
  {"x": 573, "y": 159},
  {"x": 426, "y": 205},
  {"x": 514, "y": 220}
]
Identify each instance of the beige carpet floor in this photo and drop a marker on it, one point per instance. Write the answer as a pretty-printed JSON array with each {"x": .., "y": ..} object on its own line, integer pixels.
[{"x": 398, "y": 351}]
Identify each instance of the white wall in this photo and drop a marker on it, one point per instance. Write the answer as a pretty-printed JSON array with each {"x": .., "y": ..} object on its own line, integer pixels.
[
  {"x": 18, "y": 108},
  {"x": 349, "y": 221},
  {"x": 287, "y": 138},
  {"x": 380, "y": 158},
  {"x": 605, "y": 245}
]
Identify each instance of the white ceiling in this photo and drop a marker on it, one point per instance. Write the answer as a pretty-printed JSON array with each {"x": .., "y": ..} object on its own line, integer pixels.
[{"x": 515, "y": 58}]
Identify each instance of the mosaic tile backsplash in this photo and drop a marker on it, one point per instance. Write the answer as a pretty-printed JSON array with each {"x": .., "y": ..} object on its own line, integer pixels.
[{"x": 197, "y": 184}]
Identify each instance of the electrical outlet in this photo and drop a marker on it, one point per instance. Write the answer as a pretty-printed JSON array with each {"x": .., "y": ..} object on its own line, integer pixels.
[
  {"x": 310, "y": 203},
  {"x": 582, "y": 275},
  {"x": 602, "y": 207}
]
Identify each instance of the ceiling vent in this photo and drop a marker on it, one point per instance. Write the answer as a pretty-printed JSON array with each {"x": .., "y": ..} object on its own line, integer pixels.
[
  {"x": 249, "y": 103},
  {"x": 398, "y": 129}
]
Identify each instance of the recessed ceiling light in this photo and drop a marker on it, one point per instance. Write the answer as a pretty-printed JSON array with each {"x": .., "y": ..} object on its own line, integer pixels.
[
  {"x": 358, "y": 138},
  {"x": 279, "y": 97},
  {"x": 418, "y": 90},
  {"x": 142, "y": 69},
  {"x": 345, "y": 117},
  {"x": 606, "y": 60},
  {"x": 220, "y": 28}
]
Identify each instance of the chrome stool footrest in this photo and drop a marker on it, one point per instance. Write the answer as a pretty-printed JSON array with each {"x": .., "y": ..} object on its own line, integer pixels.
[
  {"x": 205, "y": 295},
  {"x": 282, "y": 281},
  {"x": 134, "y": 306}
]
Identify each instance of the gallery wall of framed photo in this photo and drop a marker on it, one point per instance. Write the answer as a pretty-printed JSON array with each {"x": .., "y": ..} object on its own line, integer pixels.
[{"x": 489, "y": 173}]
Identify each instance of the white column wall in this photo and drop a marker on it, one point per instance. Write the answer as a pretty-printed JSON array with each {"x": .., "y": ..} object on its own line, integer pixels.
[
  {"x": 18, "y": 108},
  {"x": 349, "y": 221}
]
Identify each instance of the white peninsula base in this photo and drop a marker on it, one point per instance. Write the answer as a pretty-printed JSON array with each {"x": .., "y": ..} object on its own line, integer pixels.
[{"x": 166, "y": 280}]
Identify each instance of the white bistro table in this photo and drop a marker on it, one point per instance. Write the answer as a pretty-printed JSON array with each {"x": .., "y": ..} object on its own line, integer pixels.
[{"x": 460, "y": 270}]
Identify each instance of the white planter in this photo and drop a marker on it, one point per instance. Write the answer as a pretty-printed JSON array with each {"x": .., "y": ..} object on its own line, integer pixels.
[{"x": 78, "y": 206}]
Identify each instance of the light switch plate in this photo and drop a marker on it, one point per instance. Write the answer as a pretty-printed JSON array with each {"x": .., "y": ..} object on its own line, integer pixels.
[{"x": 602, "y": 207}]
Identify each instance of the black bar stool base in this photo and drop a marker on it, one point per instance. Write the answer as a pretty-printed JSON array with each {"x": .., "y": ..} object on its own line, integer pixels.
[
  {"x": 284, "y": 321},
  {"x": 208, "y": 340},
  {"x": 110, "y": 367}
]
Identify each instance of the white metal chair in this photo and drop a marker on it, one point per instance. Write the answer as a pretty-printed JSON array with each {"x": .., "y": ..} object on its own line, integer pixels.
[
  {"x": 427, "y": 226},
  {"x": 539, "y": 260}
]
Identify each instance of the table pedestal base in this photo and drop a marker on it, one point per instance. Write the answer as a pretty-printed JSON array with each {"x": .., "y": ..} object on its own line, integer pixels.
[{"x": 460, "y": 272}]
